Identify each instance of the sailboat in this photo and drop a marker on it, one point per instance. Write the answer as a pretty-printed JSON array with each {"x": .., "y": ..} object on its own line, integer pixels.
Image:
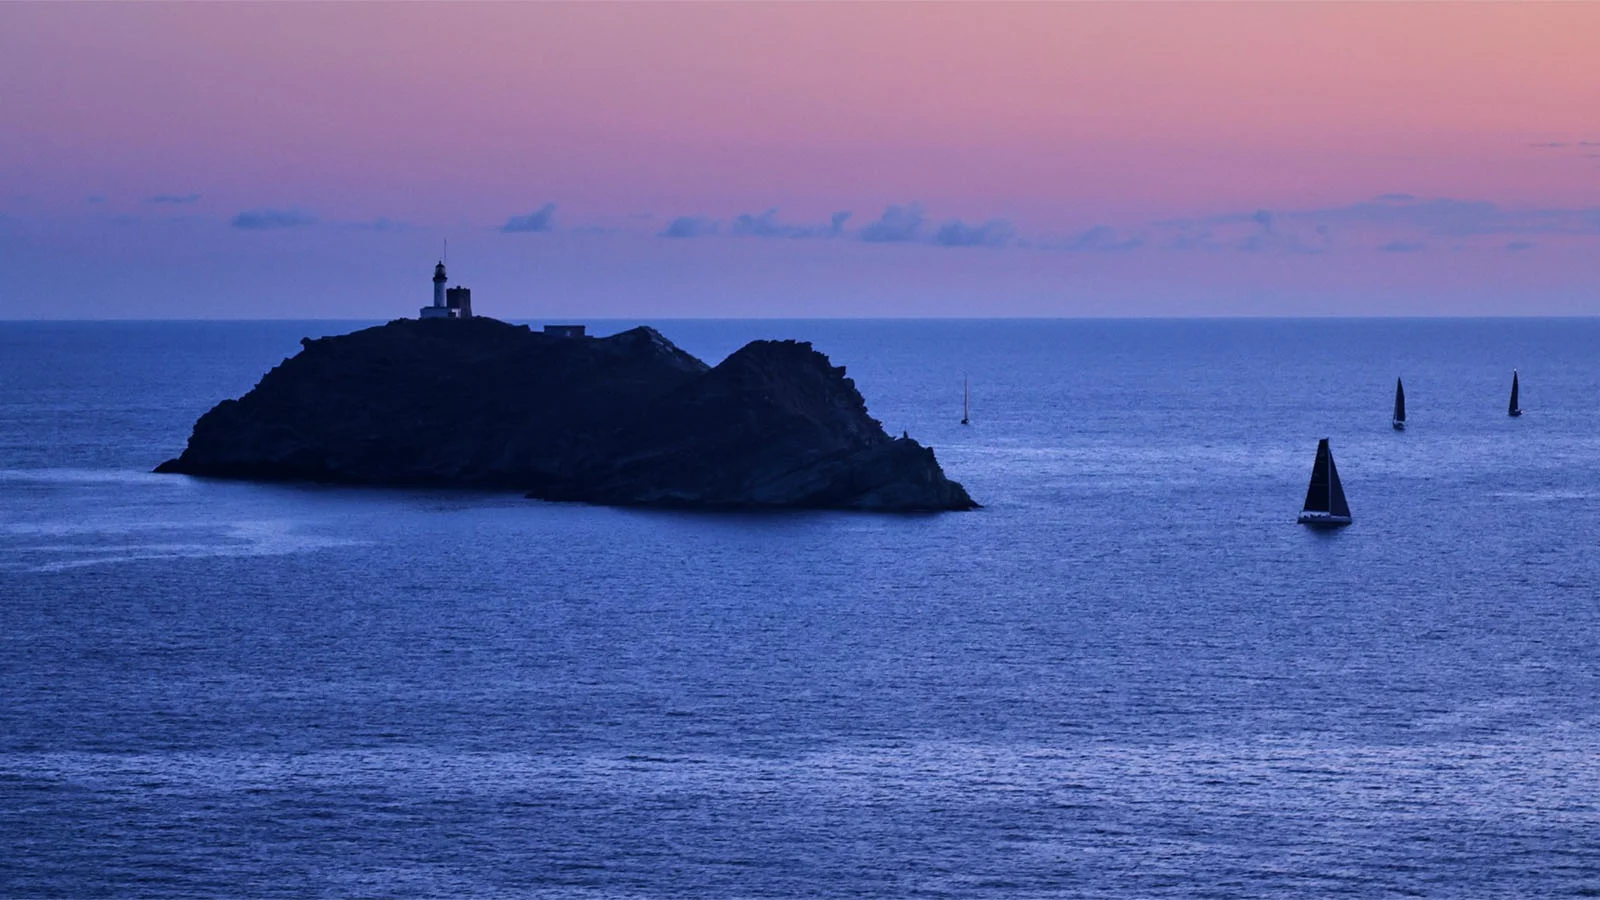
[
  {"x": 966, "y": 402},
  {"x": 1399, "y": 420},
  {"x": 1514, "y": 409},
  {"x": 1325, "y": 504}
]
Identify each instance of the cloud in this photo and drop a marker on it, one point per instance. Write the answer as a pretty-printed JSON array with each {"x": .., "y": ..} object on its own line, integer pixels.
[
  {"x": 1388, "y": 220},
  {"x": 898, "y": 223},
  {"x": 174, "y": 198},
  {"x": 763, "y": 225},
  {"x": 767, "y": 225},
  {"x": 267, "y": 219},
  {"x": 993, "y": 233},
  {"x": 1393, "y": 222},
  {"x": 97, "y": 198},
  {"x": 1438, "y": 216},
  {"x": 907, "y": 223},
  {"x": 1518, "y": 246},
  {"x": 541, "y": 219},
  {"x": 1466, "y": 219},
  {"x": 1182, "y": 236},
  {"x": 1277, "y": 233},
  {"x": 1403, "y": 247},
  {"x": 690, "y": 227}
]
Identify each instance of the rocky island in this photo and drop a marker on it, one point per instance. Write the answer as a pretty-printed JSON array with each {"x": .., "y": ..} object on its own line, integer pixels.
[{"x": 628, "y": 419}]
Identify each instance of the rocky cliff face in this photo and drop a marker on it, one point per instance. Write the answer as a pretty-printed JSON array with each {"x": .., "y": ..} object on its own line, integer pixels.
[{"x": 626, "y": 420}]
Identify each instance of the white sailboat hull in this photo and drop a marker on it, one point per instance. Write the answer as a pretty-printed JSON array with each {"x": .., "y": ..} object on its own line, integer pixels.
[
  {"x": 1399, "y": 424},
  {"x": 1323, "y": 520}
]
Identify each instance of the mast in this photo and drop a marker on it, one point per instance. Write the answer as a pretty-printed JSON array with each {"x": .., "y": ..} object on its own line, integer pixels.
[{"x": 966, "y": 401}]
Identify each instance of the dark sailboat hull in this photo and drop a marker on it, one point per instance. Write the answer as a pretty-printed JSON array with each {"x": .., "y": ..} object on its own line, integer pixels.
[{"x": 1323, "y": 520}]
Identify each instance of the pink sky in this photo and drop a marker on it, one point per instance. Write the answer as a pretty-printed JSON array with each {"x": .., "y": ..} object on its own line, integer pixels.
[{"x": 1119, "y": 151}]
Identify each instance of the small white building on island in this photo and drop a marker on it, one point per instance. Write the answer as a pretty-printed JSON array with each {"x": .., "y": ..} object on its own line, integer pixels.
[{"x": 451, "y": 303}]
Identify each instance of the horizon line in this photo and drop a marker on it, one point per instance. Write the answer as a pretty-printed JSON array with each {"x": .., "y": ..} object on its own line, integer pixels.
[{"x": 4, "y": 320}]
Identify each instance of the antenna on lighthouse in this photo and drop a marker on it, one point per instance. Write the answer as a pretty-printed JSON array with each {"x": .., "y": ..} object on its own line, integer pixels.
[{"x": 445, "y": 258}]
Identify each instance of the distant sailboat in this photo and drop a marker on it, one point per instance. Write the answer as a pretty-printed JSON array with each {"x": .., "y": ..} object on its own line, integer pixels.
[
  {"x": 1514, "y": 410},
  {"x": 966, "y": 402},
  {"x": 1325, "y": 504},
  {"x": 1399, "y": 420}
]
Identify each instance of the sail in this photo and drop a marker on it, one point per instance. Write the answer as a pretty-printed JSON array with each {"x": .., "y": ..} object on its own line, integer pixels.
[
  {"x": 1336, "y": 502},
  {"x": 1318, "y": 494},
  {"x": 1514, "y": 408},
  {"x": 1399, "y": 401}
]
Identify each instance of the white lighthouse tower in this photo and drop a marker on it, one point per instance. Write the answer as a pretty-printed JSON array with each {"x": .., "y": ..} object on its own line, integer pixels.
[{"x": 439, "y": 310}]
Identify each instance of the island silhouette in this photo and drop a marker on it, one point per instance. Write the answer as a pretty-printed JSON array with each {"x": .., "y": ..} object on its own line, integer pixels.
[{"x": 627, "y": 420}]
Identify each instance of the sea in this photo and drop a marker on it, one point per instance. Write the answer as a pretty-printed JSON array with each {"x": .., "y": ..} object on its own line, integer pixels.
[{"x": 1129, "y": 675}]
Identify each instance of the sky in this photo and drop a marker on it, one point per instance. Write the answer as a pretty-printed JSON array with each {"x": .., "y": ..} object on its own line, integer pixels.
[{"x": 664, "y": 160}]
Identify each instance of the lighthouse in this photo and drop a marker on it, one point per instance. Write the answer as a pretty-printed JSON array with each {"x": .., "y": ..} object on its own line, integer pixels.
[{"x": 441, "y": 308}]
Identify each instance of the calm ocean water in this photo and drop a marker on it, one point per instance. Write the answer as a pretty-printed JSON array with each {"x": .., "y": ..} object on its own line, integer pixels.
[{"x": 1129, "y": 675}]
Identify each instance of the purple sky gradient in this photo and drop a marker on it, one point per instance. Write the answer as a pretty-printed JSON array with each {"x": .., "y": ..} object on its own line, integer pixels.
[{"x": 662, "y": 160}]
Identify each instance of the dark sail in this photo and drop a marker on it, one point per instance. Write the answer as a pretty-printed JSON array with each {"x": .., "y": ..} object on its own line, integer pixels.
[
  {"x": 1325, "y": 504},
  {"x": 1318, "y": 494},
  {"x": 1336, "y": 502},
  {"x": 1514, "y": 409},
  {"x": 1399, "y": 401}
]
